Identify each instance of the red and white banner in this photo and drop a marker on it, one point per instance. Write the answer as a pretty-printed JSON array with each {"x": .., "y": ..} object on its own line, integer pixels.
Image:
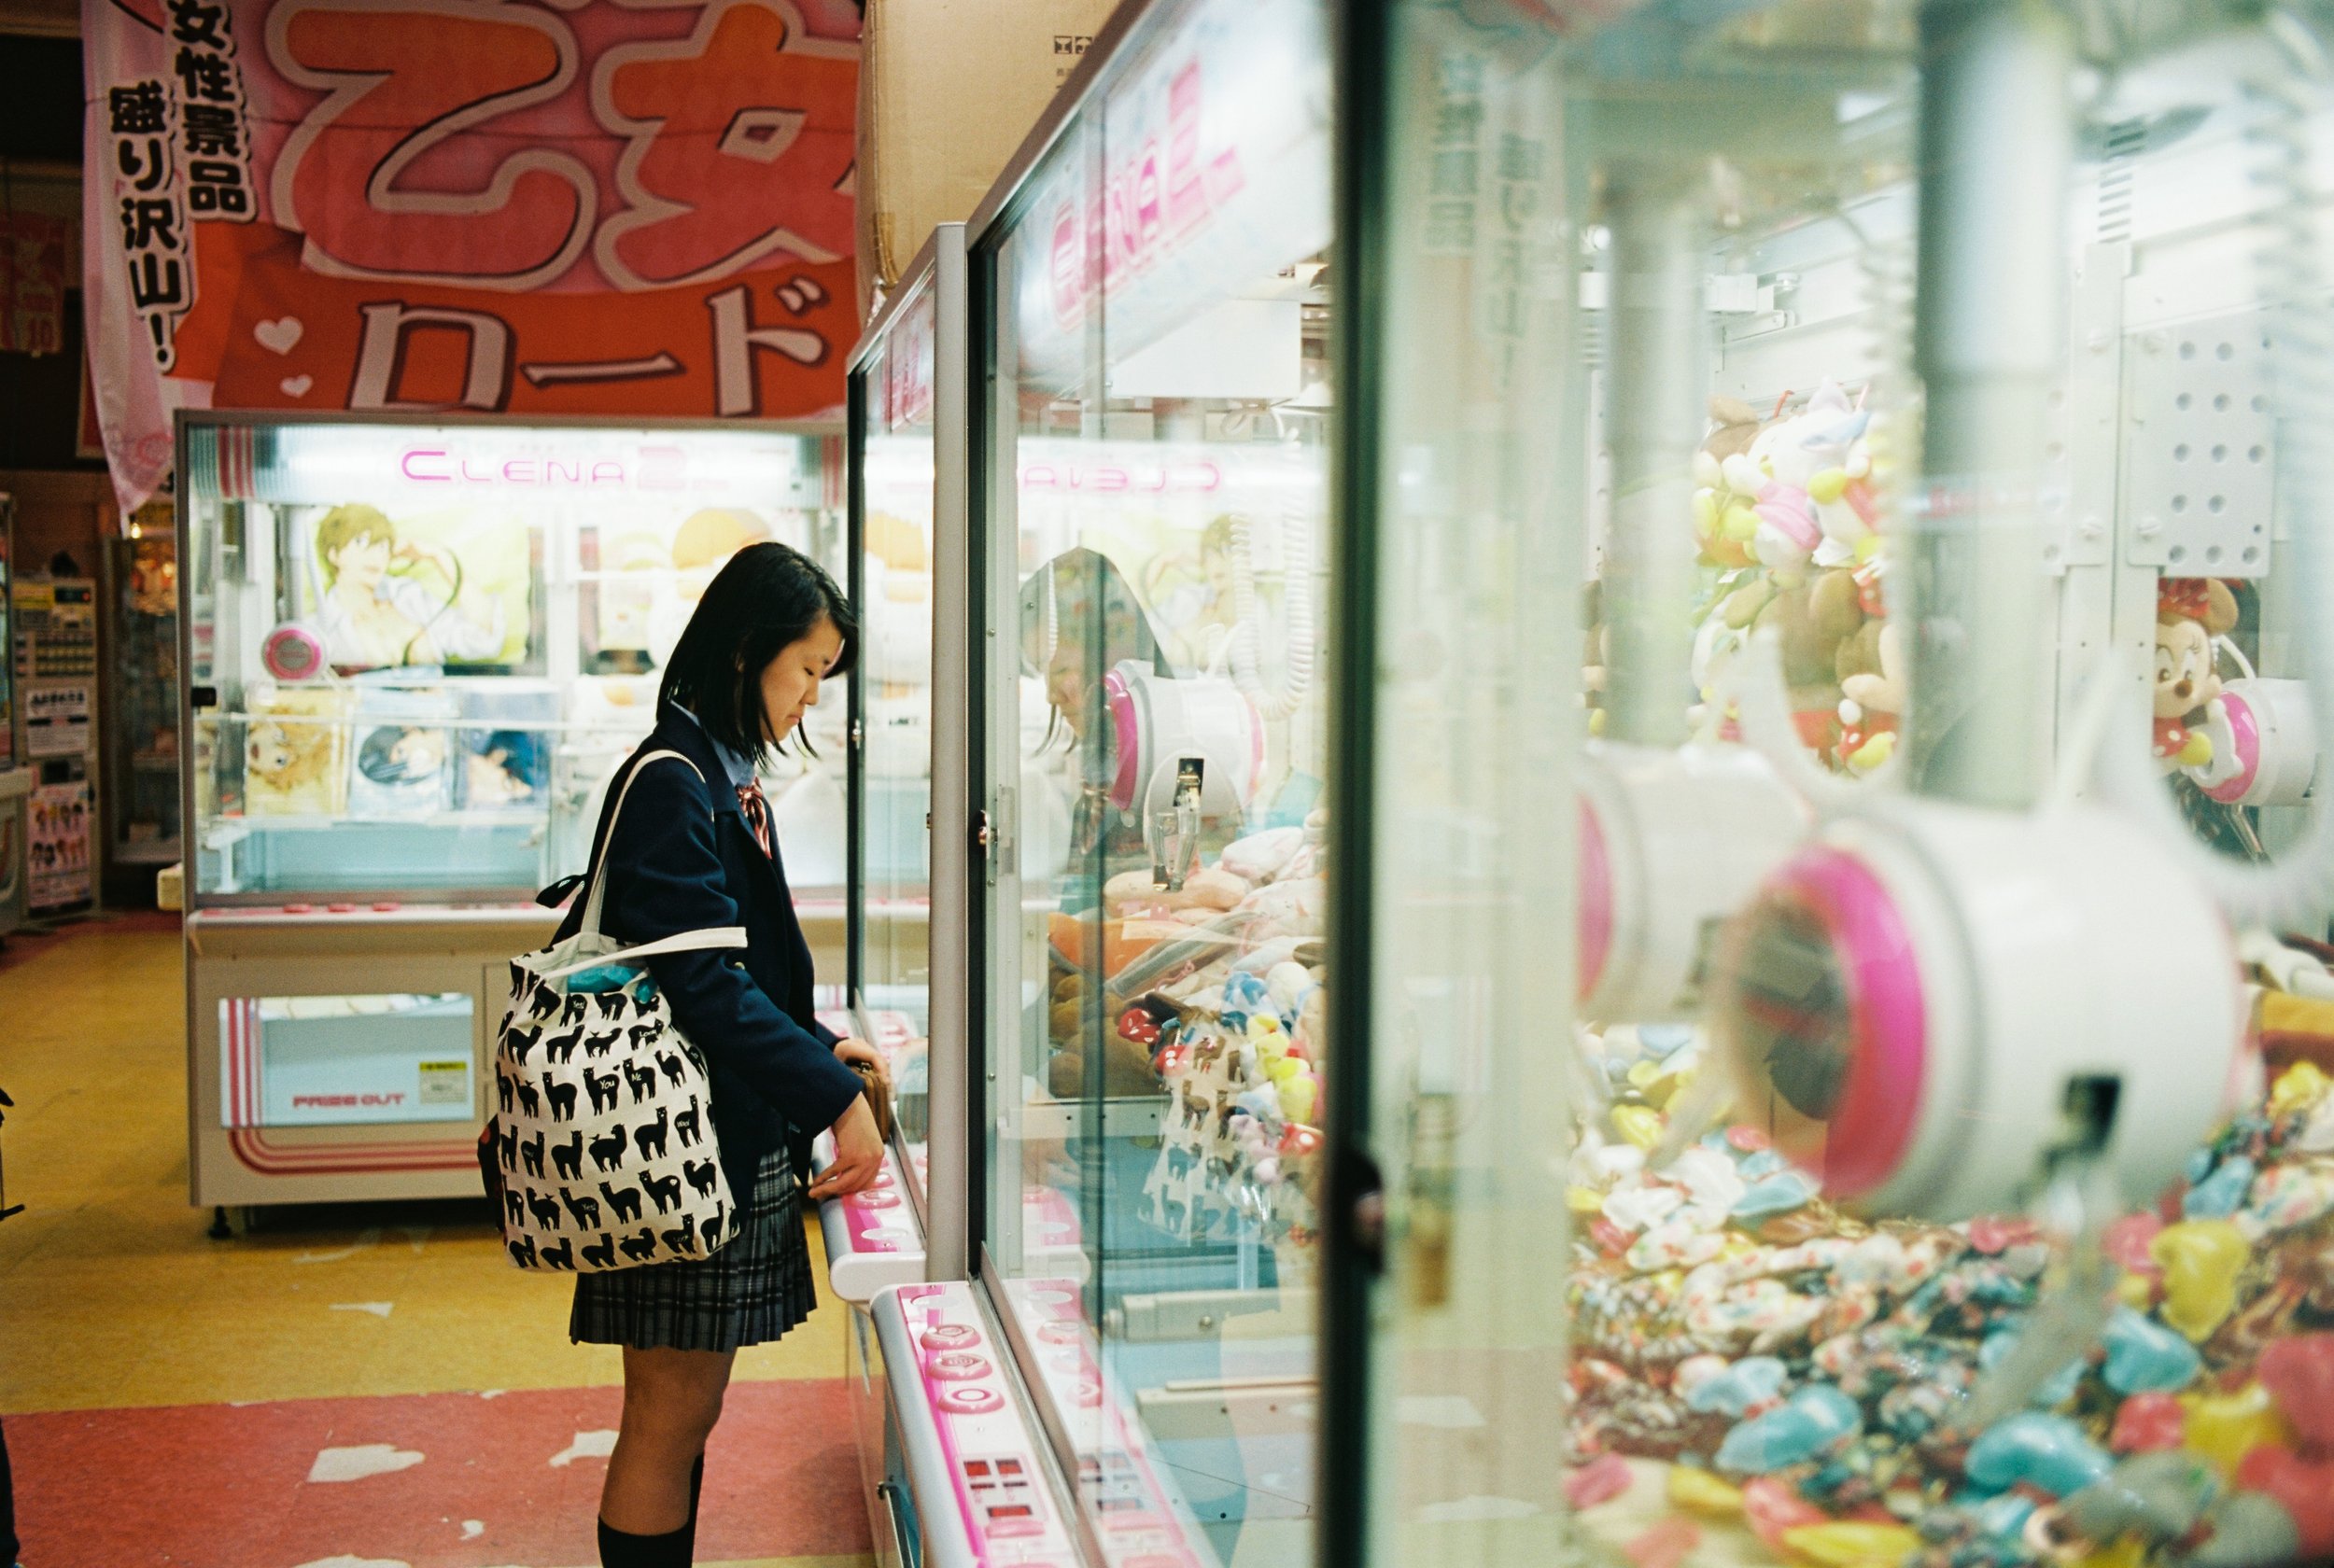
[{"x": 635, "y": 207}]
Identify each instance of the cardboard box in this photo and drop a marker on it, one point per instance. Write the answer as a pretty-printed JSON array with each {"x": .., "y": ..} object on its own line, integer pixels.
[{"x": 948, "y": 89}]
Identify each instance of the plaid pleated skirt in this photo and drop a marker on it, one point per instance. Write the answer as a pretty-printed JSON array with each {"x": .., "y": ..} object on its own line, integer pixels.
[{"x": 751, "y": 1291}]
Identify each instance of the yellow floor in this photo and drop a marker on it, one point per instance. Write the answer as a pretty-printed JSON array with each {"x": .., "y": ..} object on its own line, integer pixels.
[{"x": 111, "y": 1293}]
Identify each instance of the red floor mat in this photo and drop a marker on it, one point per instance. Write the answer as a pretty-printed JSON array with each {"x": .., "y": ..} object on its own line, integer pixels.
[{"x": 443, "y": 1481}]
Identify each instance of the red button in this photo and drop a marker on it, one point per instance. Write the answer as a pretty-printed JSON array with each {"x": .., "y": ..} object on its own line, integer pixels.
[
  {"x": 299, "y": 909},
  {"x": 385, "y": 908},
  {"x": 340, "y": 908},
  {"x": 953, "y": 1337}
]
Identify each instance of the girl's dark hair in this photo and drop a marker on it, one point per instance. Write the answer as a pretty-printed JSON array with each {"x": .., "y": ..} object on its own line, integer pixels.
[{"x": 768, "y": 596}]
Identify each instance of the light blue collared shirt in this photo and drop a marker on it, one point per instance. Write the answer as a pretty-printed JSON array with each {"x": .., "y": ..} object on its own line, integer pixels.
[{"x": 740, "y": 769}]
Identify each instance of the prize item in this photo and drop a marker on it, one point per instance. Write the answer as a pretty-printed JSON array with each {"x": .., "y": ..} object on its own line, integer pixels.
[
  {"x": 400, "y": 761},
  {"x": 2190, "y": 612},
  {"x": 872, "y": 1090},
  {"x": 604, "y": 1142},
  {"x": 296, "y": 753}
]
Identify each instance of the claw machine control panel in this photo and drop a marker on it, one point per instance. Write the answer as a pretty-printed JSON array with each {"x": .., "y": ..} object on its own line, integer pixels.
[{"x": 410, "y": 654}]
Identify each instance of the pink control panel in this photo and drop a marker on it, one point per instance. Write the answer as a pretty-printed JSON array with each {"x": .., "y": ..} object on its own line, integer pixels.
[
  {"x": 989, "y": 1452},
  {"x": 1137, "y": 1518}
]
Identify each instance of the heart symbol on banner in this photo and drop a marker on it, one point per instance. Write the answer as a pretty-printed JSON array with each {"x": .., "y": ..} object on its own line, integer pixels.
[
  {"x": 279, "y": 335},
  {"x": 297, "y": 385}
]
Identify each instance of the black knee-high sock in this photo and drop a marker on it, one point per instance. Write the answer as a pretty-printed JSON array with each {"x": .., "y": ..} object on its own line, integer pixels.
[
  {"x": 620, "y": 1548},
  {"x": 697, "y": 1489}
]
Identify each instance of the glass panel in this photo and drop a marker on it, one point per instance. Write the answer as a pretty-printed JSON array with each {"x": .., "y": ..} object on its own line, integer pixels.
[
  {"x": 895, "y": 612},
  {"x": 1472, "y": 728},
  {"x": 143, "y": 806},
  {"x": 345, "y": 1060},
  {"x": 427, "y": 646},
  {"x": 1158, "y": 401}
]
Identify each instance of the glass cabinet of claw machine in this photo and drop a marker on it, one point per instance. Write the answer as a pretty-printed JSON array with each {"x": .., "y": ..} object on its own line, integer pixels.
[
  {"x": 16, "y": 775},
  {"x": 1924, "y": 370},
  {"x": 413, "y": 653}
]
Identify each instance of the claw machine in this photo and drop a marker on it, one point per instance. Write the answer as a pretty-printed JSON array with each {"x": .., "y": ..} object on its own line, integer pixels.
[
  {"x": 16, "y": 775},
  {"x": 141, "y": 587},
  {"x": 1187, "y": 844},
  {"x": 412, "y": 653}
]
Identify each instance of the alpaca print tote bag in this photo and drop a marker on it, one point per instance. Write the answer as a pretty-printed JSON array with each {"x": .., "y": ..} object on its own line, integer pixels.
[{"x": 604, "y": 1141}]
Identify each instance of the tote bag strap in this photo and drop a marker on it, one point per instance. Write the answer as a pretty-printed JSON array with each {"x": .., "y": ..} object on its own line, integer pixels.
[
  {"x": 686, "y": 942},
  {"x": 597, "y": 894}
]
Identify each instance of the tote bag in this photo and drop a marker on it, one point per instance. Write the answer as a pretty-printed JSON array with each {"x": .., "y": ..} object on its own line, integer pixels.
[{"x": 604, "y": 1139}]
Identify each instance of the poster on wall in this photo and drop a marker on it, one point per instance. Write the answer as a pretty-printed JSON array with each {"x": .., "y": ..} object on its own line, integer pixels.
[
  {"x": 57, "y": 849},
  {"x": 57, "y": 720},
  {"x": 400, "y": 205}
]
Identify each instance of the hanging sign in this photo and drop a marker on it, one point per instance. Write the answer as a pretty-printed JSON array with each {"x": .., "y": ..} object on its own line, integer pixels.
[{"x": 406, "y": 206}]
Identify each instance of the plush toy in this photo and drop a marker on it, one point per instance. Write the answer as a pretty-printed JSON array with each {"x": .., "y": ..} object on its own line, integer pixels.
[
  {"x": 1724, "y": 518},
  {"x": 1780, "y": 470},
  {"x": 1872, "y": 696},
  {"x": 2189, "y": 613}
]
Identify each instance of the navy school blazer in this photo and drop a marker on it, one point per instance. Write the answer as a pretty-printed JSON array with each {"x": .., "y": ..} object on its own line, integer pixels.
[{"x": 685, "y": 860}]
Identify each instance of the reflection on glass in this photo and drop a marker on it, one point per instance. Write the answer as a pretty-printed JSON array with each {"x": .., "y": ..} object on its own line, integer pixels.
[
  {"x": 1158, "y": 509},
  {"x": 428, "y": 646},
  {"x": 346, "y": 1061},
  {"x": 896, "y": 619}
]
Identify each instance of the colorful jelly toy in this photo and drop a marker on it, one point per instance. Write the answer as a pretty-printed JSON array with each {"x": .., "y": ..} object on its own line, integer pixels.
[
  {"x": 2299, "y": 1374},
  {"x": 2146, "y": 1357},
  {"x": 1806, "y": 1424},
  {"x": 1751, "y": 1381},
  {"x": 2201, "y": 1260},
  {"x": 2225, "y": 1427},
  {"x": 2046, "y": 1451}
]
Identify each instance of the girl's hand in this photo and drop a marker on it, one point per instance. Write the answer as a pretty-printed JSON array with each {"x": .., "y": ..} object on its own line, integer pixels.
[
  {"x": 858, "y": 1154},
  {"x": 858, "y": 1053}
]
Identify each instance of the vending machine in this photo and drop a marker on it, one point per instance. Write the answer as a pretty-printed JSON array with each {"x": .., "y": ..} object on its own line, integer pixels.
[
  {"x": 16, "y": 775},
  {"x": 56, "y": 642},
  {"x": 412, "y": 653}
]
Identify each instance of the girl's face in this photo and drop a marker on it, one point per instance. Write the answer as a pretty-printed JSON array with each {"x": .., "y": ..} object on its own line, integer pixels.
[{"x": 789, "y": 682}]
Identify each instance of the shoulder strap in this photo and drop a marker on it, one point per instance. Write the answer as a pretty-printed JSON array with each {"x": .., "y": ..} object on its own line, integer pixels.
[{"x": 598, "y": 893}]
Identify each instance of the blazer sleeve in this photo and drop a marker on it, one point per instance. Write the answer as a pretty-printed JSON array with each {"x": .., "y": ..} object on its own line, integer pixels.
[{"x": 665, "y": 878}]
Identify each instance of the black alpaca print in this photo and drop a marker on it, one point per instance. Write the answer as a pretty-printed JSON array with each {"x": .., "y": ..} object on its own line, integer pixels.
[
  {"x": 685, "y": 1239},
  {"x": 530, "y": 1101},
  {"x": 520, "y": 1042},
  {"x": 711, "y": 1230},
  {"x": 625, "y": 1203},
  {"x": 599, "y": 1045},
  {"x": 514, "y": 1206},
  {"x": 602, "y": 1090},
  {"x": 568, "y": 1158},
  {"x": 545, "y": 1210},
  {"x": 560, "y": 1256},
  {"x": 543, "y": 998},
  {"x": 509, "y": 1148},
  {"x": 562, "y": 1101},
  {"x": 585, "y": 1208},
  {"x": 649, "y": 1133},
  {"x": 608, "y": 1149},
  {"x": 611, "y": 1003},
  {"x": 665, "y": 1190},
  {"x": 562, "y": 1047},
  {"x": 531, "y": 1155},
  {"x": 641, "y": 1248},
  {"x": 688, "y": 1124},
  {"x": 523, "y": 1252},
  {"x": 601, "y": 1254},
  {"x": 671, "y": 1066},
  {"x": 502, "y": 1091},
  {"x": 700, "y": 1174},
  {"x": 641, "y": 1079},
  {"x": 577, "y": 1005},
  {"x": 642, "y": 1034}
]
